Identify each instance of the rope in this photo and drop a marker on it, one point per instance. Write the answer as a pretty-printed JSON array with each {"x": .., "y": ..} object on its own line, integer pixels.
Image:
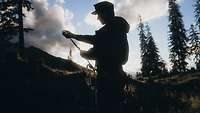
[
  {"x": 75, "y": 45},
  {"x": 89, "y": 64}
]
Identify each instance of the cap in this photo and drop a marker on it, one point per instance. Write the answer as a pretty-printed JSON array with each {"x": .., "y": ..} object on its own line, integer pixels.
[{"x": 103, "y": 6}]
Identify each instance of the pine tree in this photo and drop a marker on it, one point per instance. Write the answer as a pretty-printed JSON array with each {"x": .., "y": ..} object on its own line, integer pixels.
[
  {"x": 197, "y": 12},
  {"x": 7, "y": 20},
  {"x": 143, "y": 47},
  {"x": 197, "y": 18},
  {"x": 11, "y": 20},
  {"x": 194, "y": 45},
  {"x": 150, "y": 59},
  {"x": 153, "y": 58},
  {"x": 177, "y": 38}
]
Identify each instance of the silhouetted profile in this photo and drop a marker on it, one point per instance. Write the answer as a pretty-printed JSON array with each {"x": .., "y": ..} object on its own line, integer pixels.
[{"x": 110, "y": 50}]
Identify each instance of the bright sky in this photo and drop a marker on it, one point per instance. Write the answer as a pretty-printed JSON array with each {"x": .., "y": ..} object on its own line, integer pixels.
[{"x": 51, "y": 16}]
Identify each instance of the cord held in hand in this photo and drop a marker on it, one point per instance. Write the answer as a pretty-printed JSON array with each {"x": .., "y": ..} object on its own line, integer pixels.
[{"x": 68, "y": 34}]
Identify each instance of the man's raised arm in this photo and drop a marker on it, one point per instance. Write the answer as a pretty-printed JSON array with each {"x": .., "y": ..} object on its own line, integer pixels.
[{"x": 84, "y": 38}]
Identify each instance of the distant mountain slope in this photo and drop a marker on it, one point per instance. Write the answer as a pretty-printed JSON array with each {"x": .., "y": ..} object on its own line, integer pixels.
[{"x": 34, "y": 54}]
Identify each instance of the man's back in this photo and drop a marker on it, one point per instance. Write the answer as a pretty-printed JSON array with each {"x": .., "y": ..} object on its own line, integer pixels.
[{"x": 111, "y": 43}]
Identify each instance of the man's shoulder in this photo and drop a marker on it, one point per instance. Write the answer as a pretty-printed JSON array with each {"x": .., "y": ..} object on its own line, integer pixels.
[
  {"x": 120, "y": 24},
  {"x": 103, "y": 29},
  {"x": 119, "y": 19}
]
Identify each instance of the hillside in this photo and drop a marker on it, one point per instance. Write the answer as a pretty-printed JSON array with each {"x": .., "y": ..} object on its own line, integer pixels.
[
  {"x": 43, "y": 83},
  {"x": 34, "y": 54}
]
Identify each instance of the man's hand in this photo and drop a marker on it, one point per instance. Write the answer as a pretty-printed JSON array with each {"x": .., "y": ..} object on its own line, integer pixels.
[
  {"x": 83, "y": 53},
  {"x": 68, "y": 34},
  {"x": 88, "y": 54}
]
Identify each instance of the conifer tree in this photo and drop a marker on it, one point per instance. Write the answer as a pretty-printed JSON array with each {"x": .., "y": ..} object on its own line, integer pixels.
[
  {"x": 143, "y": 47},
  {"x": 177, "y": 38},
  {"x": 197, "y": 12},
  {"x": 194, "y": 45},
  {"x": 153, "y": 58},
  {"x": 11, "y": 20},
  {"x": 7, "y": 20},
  {"x": 150, "y": 59}
]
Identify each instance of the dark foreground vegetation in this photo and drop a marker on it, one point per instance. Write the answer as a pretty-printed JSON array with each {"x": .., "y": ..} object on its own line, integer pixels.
[{"x": 42, "y": 83}]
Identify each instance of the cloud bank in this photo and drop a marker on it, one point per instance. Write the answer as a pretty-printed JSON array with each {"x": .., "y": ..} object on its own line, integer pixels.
[
  {"x": 48, "y": 21},
  {"x": 132, "y": 9},
  {"x": 147, "y": 9}
]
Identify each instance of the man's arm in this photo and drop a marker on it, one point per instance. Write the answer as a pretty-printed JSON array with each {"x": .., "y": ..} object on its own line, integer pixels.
[{"x": 84, "y": 38}]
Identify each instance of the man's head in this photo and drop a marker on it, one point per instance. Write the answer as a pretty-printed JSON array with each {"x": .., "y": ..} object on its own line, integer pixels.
[{"x": 105, "y": 11}]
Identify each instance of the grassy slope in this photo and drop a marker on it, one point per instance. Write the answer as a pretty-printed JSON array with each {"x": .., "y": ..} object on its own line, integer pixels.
[{"x": 54, "y": 83}]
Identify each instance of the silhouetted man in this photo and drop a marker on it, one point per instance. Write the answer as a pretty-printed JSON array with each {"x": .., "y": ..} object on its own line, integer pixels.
[{"x": 110, "y": 50}]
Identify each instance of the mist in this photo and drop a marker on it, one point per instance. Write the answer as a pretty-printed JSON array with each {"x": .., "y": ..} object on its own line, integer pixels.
[{"x": 48, "y": 21}]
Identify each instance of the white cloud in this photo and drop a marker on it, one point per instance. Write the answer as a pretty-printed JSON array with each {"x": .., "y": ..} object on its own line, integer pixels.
[
  {"x": 60, "y": 1},
  {"x": 131, "y": 9},
  {"x": 148, "y": 9},
  {"x": 112, "y": 1},
  {"x": 48, "y": 23},
  {"x": 92, "y": 20}
]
